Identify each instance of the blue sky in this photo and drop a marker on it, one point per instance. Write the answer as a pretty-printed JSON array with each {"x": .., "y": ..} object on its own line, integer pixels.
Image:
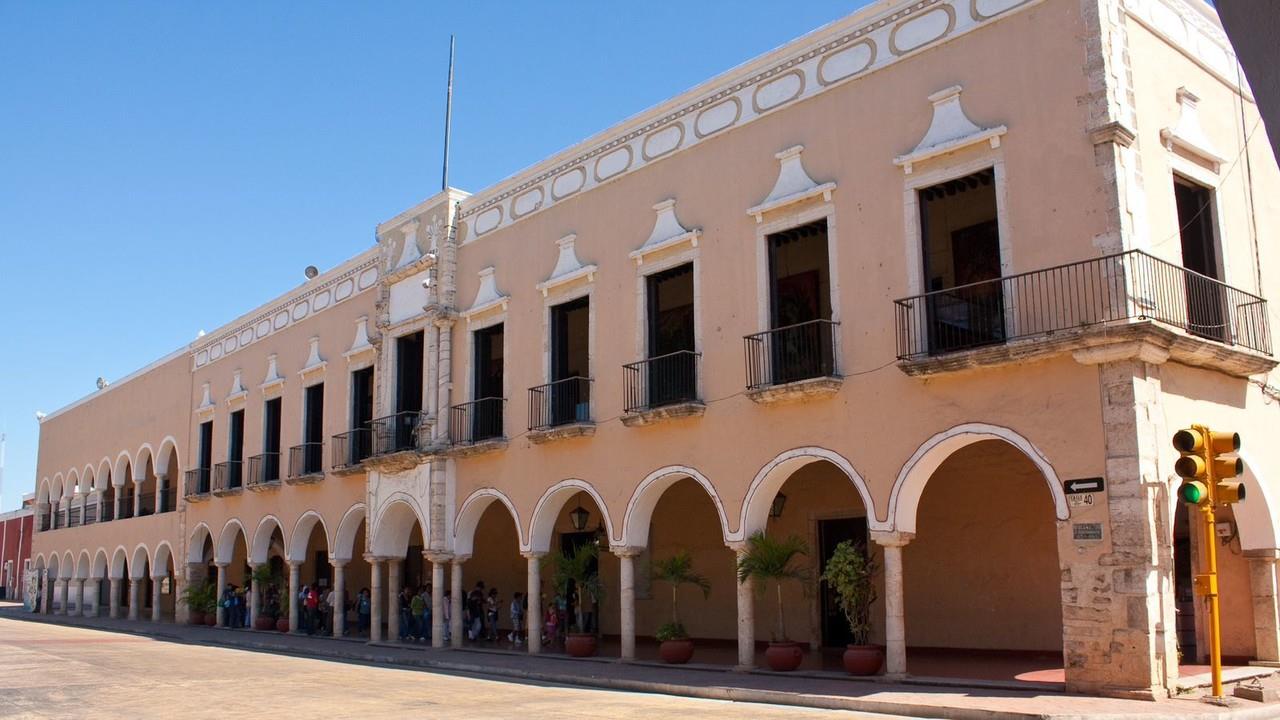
[{"x": 165, "y": 167}]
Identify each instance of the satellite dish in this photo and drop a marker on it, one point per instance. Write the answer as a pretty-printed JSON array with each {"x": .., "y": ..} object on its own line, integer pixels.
[{"x": 311, "y": 272}]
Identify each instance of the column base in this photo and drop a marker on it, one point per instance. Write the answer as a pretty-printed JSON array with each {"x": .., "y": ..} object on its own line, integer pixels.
[{"x": 744, "y": 668}]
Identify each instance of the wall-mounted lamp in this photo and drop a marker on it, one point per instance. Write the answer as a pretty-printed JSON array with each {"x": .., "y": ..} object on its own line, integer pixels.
[
  {"x": 578, "y": 518},
  {"x": 775, "y": 508}
]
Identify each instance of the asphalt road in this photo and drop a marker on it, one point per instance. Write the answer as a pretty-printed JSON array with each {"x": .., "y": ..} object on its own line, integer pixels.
[{"x": 51, "y": 671}]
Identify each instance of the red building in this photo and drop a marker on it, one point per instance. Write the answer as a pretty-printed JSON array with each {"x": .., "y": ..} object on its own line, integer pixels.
[{"x": 15, "y": 549}]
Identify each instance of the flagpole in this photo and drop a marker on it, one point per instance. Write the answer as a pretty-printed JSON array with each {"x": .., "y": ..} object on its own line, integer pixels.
[{"x": 448, "y": 119}]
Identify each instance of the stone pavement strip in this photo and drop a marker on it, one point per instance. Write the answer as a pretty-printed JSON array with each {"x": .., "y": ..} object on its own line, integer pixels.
[{"x": 831, "y": 692}]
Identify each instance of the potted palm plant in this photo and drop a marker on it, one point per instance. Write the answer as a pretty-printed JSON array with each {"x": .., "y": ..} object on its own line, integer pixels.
[
  {"x": 262, "y": 577},
  {"x": 767, "y": 560},
  {"x": 576, "y": 572},
  {"x": 676, "y": 646},
  {"x": 851, "y": 574},
  {"x": 200, "y": 600}
]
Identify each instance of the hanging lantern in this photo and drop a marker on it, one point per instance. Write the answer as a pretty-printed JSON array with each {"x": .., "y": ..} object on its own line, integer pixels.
[
  {"x": 775, "y": 509},
  {"x": 578, "y": 518}
]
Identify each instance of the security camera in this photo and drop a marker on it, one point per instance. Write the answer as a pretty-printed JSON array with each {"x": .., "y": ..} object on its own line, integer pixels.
[{"x": 428, "y": 282}]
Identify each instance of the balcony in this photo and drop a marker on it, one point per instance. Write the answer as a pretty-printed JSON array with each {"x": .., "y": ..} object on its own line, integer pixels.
[
  {"x": 147, "y": 504},
  {"x": 126, "y": 507},
  {"x": 795, "y": 362},
  {"x": 264, "y": 472},
  {"x": 661, "y": 388},
  {"x": 108, "y": 511},
  {"x": 227, "y": 478},
  {"x": 73, "y": 517},
  {"x": 1095, "y": 309},
  {"x": 59, "y": 520},
  {"x": 477, "y": 426},
  {"x": 90, "y": 513},
  {"x": 560, "y": 409},
  {"x": 42, "y": 522},
  {"x": 197, "y": 484},
  {"x": 306, "y": 463},
  {"x": 351, "y": 449}
]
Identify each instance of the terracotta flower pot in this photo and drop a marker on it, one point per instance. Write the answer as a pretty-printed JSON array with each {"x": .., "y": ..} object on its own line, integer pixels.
[
  {"x": 676, "y": 652},
  {"x": 863, "y": 659},
  {"x": 211, "y": 619},
  {"x": 784, "y": 656},
  {"x": 264, "y": 622},
  {"x": 580, "y": 644},
  {"x": 197, "y": 618},
  {"x": 282, "y": 625}
]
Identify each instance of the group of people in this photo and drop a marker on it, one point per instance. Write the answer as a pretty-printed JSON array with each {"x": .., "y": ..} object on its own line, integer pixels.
[
  {"x": 481, "y": 610},
  {"x": 315, "y": 607}
]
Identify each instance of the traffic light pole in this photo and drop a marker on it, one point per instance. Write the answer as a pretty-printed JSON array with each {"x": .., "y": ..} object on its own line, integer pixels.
[{"x": 1215, "y": 633}]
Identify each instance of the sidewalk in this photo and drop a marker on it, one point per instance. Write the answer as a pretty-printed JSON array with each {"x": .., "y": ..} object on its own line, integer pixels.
[{"x": 815, "y": 690}]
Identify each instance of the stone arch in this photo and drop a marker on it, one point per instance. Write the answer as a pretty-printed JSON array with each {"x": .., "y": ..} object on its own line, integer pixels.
[
  {"x": 195, "y": 548},
  {"x": 635, "y": 524},
  {"x": 54, "y": 566},
  {"x": 83, "y": 564},
  {"x": 343, "y": 547},
  {"x": 73, "y": 483},
  {"x": 43, "y": 495},
  {"x": 298, "y": 539},
  {"x": 68, "y": 566},
  {"x": 260, "y": 549},
  {"x": 140, "y": 459},
  {"x": 394, "y": 526},
  {"x": 770, "y": 479},
  {"x": 119, "y": 563},
  {"x": 904, "y": 500},
  {"x": 140, "y": 562},
  {"x": 98, "y": 570},
  {"x": 103, "y": 476},
  {"x": 55, "y": 489},
  {"x": 1256, "y": 518},
  {"x": 168, "y": 450},
  {"x": 464, "y": 528},
  {"x": 162, "y": 558},
  {"x": 87, "y": 480},
  {"x": 124, "y": 462},
  {"x": 226, "y": 548},
  {"x": 548, "y": 508}
]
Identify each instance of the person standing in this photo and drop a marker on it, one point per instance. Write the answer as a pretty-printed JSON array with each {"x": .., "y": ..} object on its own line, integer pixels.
[{"x": 517, "y": 618}]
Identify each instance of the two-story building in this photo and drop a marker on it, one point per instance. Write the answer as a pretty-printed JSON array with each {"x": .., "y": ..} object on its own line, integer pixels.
[{"x": 900, "y": 281}]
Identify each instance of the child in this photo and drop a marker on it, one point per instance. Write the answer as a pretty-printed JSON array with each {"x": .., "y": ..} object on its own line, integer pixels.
[
  {"x": 491, "y": 613},
  {"x": 552, "y": 624},
  {"x": 517, "y": 617}
]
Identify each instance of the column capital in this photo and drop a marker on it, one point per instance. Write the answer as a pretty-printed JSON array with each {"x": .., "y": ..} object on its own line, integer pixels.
[
  {"x": 459, "y": 559},
  {"x": 736, "y": 545},
  {"x": 436, "y": 556},
  {"x": 394, "y": 561},
  {"x": 626, "y": 551},
  {"x": 534, "y": 554},
  {"x": 885, "y": 538},
  {"x": 255, "y": 565},
  {"x": 1268, "y": 554},
  {"x": 222, "y": 565},
  {"x": 338, "y": 562},
  {"x": 294, "y": 565},
  {"x": 373, "y": 559},
  {"x": 158, "y": 578}
]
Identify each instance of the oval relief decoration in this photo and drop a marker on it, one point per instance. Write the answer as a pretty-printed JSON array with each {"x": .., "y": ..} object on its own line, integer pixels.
[
  {"x": 246, "y": 336},
  {"x": 718, "y": 117},
  {"x": 230, "y": 345},
  {"x": 613, "y": 163},
  {"x": 344, "y": 289},
  {"x": 488, "y": 220},
  {"x": 568, "y": 183},
  {"x": 527, "y": 202},
  {"x": 320, "y": 301},
  {"x": 849, "y": 61},
  {"x": 778, "y": 91},
  {"x": 215, "y": 352},
  {"x": 661, "y": 142},
  {"x": 922, "y": 29},
  {"x": 366, "y": 279},
  {"x": 300, "y": 310},
  {"x": 280, "y": 320},
  {"x": 262, "y": 330},
  {"x": 983, "y": 9}
]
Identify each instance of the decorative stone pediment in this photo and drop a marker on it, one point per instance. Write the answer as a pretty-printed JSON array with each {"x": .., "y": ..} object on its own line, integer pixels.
[
  {"x": 487, "y": 296},
  {"x": 361, "y": 349},
  {"x": 205, "y": 409},
  {"x": 238, "y": 394},
  {"x": 950, "y": 130},
  {"x": 1188, "y": 135},
  {"x": 315, "y": 365},
  {"x": 409, "y": 249},
  {"x": 793, "y": 185},
  {"x": 668, "y": 233},
  {"x": 273, "y": 385},
  {"x": 568, "y": 267}
]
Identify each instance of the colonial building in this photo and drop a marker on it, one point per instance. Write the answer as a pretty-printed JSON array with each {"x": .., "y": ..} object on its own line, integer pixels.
[{"x": 897, "y": 281}]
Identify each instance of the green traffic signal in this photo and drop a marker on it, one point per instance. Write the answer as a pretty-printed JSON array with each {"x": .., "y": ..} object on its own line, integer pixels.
[{"x": 1193, "y": 492}]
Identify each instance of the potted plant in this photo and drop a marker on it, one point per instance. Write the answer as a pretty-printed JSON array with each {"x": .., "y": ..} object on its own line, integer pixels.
[
  {"x": 768, "y": 560},
  {"x": 200, "y": 601},
  {"x": 576, "y": 572},
  {"x": 261, "y": 578},
  {"x": 282, "y": 622},
  {"x": 676, "y": 647},
  {"x": 850, "y": 573}
]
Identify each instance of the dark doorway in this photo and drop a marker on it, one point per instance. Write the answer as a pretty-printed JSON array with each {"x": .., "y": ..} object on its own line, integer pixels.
[
  {"x": 835, "y": 628},
  {"x": 486, "y": 415},
  {"x": 570, "y": 398},
  {"x": 270, "y": 441},
  {"x": 361, "y": 442},
  {"x": 313, "y": 430},
  {"x": 1206, "y": 301},
  {"x": 1184, "y": 599},
  {"x": 408, "y": 389},
  {"x": 569, "y": 544},
  {"x": 800, "y": 304},
  {"x": 960, "y": 239},
  {"x": 235, "y": 449},
  {"x": 206, "y": 457},
  {"x": 671, "y": 374}
]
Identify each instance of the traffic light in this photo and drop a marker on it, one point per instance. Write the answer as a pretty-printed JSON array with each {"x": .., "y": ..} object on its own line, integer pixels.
[
  {"x": 1205, "y": 473},
  {"x": 1227, "y": 491}
]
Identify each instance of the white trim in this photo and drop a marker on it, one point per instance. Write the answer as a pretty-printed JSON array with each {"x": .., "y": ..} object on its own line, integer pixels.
[
  {"x": 792, "y": 186},
  {"x": 467, "y": 521},
  {"x": 544, "y": 514},
  {"x": 644, "y": 499},
  {"x": 668, "y": 233},
  {"x": 949, "y": 131},
  {"x": 292, "y": 551},
  {"x": 770, "y": 479}
]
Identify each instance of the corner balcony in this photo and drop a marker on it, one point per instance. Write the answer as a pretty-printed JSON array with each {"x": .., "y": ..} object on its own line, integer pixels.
[
  {"x": 1123, "y": 305},
  {"x": 395, "y": 441}
]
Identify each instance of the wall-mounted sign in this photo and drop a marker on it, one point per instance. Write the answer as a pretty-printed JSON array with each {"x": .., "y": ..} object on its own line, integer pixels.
[
  {"x": 1083, "y": 485},
  {"x": 1086, "y": 531}
]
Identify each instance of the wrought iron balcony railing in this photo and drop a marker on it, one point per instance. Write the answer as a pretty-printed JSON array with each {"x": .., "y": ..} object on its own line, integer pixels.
[
  {"x": 108, "y": 510},
  {"x": 73, "y": 517},
  {"x": 396, "y": 433},
  {"x": 90, "y": 513},
  {"x": 263, "y": 469},
  {"x": 197, "y": 482},
  {"x": 227, "y": 476},
  {"x": 147, "y": 504},
  {"x": 167, "y": 499},
  {"x": 1114, "y": 289},
  {"x": 126, "y": 507},
  {"x": 560, "y": 403},
  {"x": 475, "y": 421},
  {"x": 352, "y": 447},
  {"x": 43, "y": 523},
  {"x": 306, "y": 459},
  {"x": 664, "y": 380},
  {"x": 803, "y": 351}
]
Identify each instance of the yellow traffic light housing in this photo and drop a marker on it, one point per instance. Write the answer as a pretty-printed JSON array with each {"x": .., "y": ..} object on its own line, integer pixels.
[{"x": 1193, "y": 466}]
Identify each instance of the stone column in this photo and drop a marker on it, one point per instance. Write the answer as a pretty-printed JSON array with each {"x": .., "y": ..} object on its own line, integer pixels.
[
  {"x": 65, "y": 609},
  {"x": 375, "y": 598},
  {"x": 295, "y": 583},
  {"x": 533, "y": 618},
  {"x": 79, "y": 595},
  {"x": 91, "y": 607},
  {"x": 255, "y": 595},
  {"x": 116, "y": 502},
  {"x": 746, "y": 614},
  {"x": 339, "y": 593},
  {"x": 455, "y": 605},
  {"x": 46, "y": 593},
  {"x": 113, "y": 602},
  {"x": 895, "y": 627},
  {"x": 627, "y": 599},
  {"x": 217, "y": 594},
  {"x": 155, "y": 598},
  {"x": 438, "y": 563},
  {"x": 137, "y": 499},
  {"x": 135, "y": 597},
  {"x": 393, "y": 599},
  {"x": 162, "y": 484},
  {"x": 1263, "y": 578}
]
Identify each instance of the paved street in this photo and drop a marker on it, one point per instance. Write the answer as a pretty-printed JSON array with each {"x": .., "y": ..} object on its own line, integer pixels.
[{"x": 51, "y": 671}]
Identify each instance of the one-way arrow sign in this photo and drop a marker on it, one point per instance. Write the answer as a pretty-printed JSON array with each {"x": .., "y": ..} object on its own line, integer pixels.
[{"x": 1083, "y": 485}]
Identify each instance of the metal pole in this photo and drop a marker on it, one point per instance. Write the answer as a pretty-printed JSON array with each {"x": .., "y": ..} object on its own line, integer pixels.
[{"x": 448, "y": 120}]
